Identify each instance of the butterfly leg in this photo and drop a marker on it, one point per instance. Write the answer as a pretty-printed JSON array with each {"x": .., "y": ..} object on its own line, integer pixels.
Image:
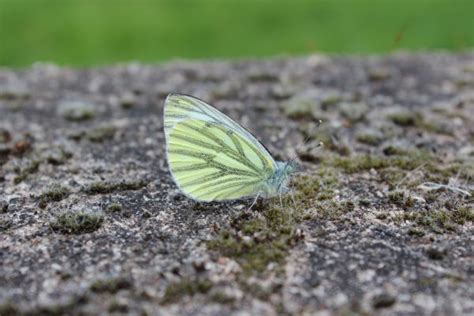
[
  {"x": 293, "y": 198},
  {"x": 254, "y": 202}
]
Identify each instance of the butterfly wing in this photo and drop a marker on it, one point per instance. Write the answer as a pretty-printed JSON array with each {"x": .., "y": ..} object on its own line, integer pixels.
[{"x": 210, "y": 156}]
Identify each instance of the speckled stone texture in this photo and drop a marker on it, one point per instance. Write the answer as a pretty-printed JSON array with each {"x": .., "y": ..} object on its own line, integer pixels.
[{"x": 91, "y": 222}]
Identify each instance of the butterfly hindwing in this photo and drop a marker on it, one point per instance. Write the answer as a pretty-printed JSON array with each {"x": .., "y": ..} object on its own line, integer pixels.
[{"x": 210, "y": 156}]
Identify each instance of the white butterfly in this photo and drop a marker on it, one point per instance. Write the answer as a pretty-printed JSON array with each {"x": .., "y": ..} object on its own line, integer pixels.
[{"x": 212, "y": 158}]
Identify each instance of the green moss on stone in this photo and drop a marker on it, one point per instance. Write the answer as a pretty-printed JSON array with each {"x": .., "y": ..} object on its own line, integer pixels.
[
  {"x": 55, "y": 193},
  {"x": 220, "y": 297},
  {"x": 332, "y": 210},
  {"x": 56, "y": 155},
  {"x": 110, "y": 285},
  {"x": 5, "y": 136},
  {"x": 440, "y": 221},
  {"x": 415, "y": 231},
  {"x": 127, "y": 101},
  {"x": 28, "y": 170},
  {"x": 118, "y": 307},
  {"x": 76, "y": 111},
  {"x": 330, "y": 100},
  {"x": 463, "y": 214},
  {"x": 108, "y": 187},
  {"x": 401, "y": 199},
  {"x": 437, "y": 128},
  {"x": 77, "y": 222},
  {"x": 8, "y": 308},
  {"x": 362, "y": 163},
  {"x": 394, "y": 151},
  {"x": 256, "y": 242},
  {"x": 309, "y": 188},
  {"x": 406, "y": 118},
  {"x": 299, "y": 109},
  {"x": 5, "y": 224},
  {"x": 330, "y": 141},
  {"x": 114, "y": 207},
  {"x": 353, "y": 112},
  {"x": 186, "y": 287},
  {"x": 101, "y": 133},
  {"x": 379, "y": 74},
  {"x": 370, "y": 139},
  {"x": 392, "y": 176}
]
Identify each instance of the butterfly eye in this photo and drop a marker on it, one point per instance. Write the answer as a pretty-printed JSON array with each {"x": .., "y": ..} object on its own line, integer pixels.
[
  {"x": 230, "y": 133},
  {"x": 208, "y": 125}
]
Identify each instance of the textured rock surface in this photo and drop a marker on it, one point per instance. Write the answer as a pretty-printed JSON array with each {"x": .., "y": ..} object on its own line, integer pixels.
[{"x": 90, "y": 221}]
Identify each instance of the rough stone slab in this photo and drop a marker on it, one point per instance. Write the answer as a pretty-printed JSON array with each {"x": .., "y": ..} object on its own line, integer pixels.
[{"x": 90, "y": 142}]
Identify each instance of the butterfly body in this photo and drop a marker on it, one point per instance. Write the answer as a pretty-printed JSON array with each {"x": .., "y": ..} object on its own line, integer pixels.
[
  {"x": 276, "y": 184},
  {"x": 212, "y": 158}
]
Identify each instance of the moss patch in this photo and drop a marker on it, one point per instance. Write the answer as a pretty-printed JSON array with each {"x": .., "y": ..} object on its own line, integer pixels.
[
  {"x": 8, "y": 308},
  {"x": 220, "y": 297},
  {"x": 101, "y": 133},
  {"x": 362, "y": 163},
  {"x": 462, "y": 215},
  {"x": 76, "y": 111},
  {"x": 415, "y": 119},
  {"x": 331, "y": 142},
  {"x": 3, "y": 206},
  {"x": 114, "y": 207},
  {"x": 111, "y": 285},
  {"x": 28, "y": 170},
  {"x": 108, "y": 187},
  {"x": 316, "y": 187},
  {"x": 55, "y": 193},
  {"x": 186, "y": 287},
  {"x": 5, "y": 136},
  {"x": 299, "y": 109},
  {"x": 5, "y": 224},
  {"x": 437, "y": 127},
  {"x": 406, "y": 118},
  {"x": 256, "y": 240},
  {"x": 77, "y": 223},
  {"x": 330, "y": 100},
  {"x": 438, "y": 221},
  {"x": 117, "y": 306},
  {"x": 394, "y": 150},
  {"x": 56, "y": 155},
  {"x": 370, "y": 139},
  {"x": 316, "y": 194},
  {"x": 353, "y": 112},
  {"x": 401, "y": 198},
  {"x": 127, "y": 101}
]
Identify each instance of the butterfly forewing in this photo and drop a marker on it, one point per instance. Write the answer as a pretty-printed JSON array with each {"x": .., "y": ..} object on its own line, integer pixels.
[{"x": 210, "y": 156}]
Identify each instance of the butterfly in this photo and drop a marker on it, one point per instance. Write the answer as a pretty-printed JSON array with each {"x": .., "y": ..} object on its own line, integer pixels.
[{"x": 213, "y": 158}]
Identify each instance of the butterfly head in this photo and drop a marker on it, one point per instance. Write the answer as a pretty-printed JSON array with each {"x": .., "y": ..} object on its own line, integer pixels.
[
  {"x": 287, "y": 168},
  {"x": 278, "y": 183}
]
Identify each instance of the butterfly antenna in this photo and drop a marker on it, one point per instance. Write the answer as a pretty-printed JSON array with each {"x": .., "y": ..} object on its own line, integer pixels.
[
  {"x": 307, "y": 139},
  {"x": 309, "y": 136}
]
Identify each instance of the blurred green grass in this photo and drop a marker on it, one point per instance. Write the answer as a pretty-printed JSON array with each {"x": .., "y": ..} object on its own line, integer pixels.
[{"x": 87, "y": 32}]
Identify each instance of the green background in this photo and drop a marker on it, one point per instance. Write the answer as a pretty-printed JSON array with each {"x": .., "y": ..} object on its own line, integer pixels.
[{"x": 87, "y": 32}]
